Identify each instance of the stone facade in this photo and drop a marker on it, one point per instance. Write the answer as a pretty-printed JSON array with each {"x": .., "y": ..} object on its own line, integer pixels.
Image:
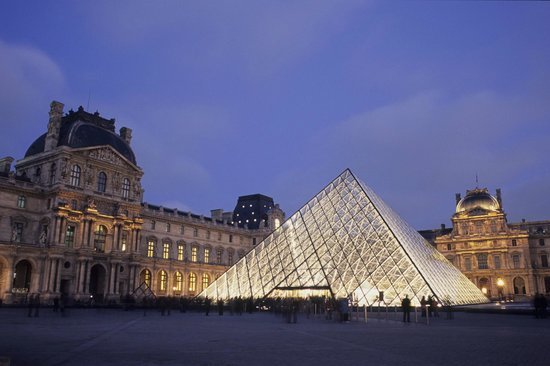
[{"x": 72, "y": 222}]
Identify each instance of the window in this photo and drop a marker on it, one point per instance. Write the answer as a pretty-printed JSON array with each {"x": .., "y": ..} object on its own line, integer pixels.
[
  {"x": 231, "y": 238},
  {"x": 21, "y": 200},
  {"x": 496, "y": 260},
  {"x": 205, "y": 280},
  {"x": 449, "y": 247},
  {"x": 195, "y": 232},
  {"x": 519, "y": 286},
  {"x": 208, "y": 234},
  {"x": 101, "y": 182},
  {"x": 541, "y": 242},
  {"x": 482, "y": 261},
  {"x": 178, "y": 281},
  {"x": 145, "y": 277},
  {"x": 166, "y": 251},
  {"x": 219, "y": 256},
  {"x": 192, "y": 282},
  {"x": 253, "y": 241},
  {"x": 468, "y": 264},
  {"x": 206, "y": 255},
  {"x": 514, "y": 243},
  {"x": 153, "y": 224},
  {"x": 99, "y": 241},
  {"x": 180, "y": 252},
  {"x": 515, "y": 260},
  {"x": 69, "y": 236},
  {"x": 167, "y": 227},
  {"x": 74, "y": 205},
  {"x": 151, "y": 248},
  {"x": 464, "y": 228},
  {"x": 123, "y": 241},
  {"x": 241, "y": 254},
  {"x": 53, "y": 171},
  {"x": 125, "y": 188},
  {"x": 230, "y": 258},
  {"x": 182, "y": 229},
  {"x": 17, "y": 234},
  {"x": 75, "y": 176},
  {"x": 493, "y": 227},
  {"x": 194, "y": 253},
  {"x": 544, "y": 261},
  {"x": 163, "y": 281},
  {"x": 219, "y": 236},
  {"x": 479, "y": 227}
]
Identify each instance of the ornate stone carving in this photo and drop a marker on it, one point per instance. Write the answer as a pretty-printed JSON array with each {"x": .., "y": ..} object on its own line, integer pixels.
[{"x": 106, "y": 154}]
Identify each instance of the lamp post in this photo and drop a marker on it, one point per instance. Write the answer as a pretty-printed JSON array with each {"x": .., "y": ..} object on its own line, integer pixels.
[{"x": 500, "y": 285}]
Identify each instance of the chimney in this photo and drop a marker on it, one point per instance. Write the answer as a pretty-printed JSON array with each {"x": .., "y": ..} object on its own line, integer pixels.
[
  {"x": 499, "y": 198},
  {"x": 54, "y": 125},
  {"x": 457, "y": 198},
  {"x": 5, "y": 164},
  {"x": 126, "y": 134},
  {"x": 442, "y": 226}
]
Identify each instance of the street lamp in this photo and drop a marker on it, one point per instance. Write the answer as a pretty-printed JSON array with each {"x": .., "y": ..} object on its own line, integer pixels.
[{"x": 500, "y": 285}]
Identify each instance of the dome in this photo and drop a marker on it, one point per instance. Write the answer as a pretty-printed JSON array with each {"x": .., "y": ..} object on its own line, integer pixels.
[
  {"x": 478, "y": 199},
  {"x": 81, "y": 129}
]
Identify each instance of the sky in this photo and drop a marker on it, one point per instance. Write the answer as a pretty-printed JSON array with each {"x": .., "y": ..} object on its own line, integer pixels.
[{"x": 229, "y": 98}]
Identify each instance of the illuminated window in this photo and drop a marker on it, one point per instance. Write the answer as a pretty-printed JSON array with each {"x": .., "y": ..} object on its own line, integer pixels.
[
  {"x": 123, "y": 241},
  {"x": 101, "y": 182},
  {"x": 21, "y": 200},
  {"x": 468, "y": 264},
  {"x": 69, "y": 236},
  {"x": 482, "y": 261},
  {"x": 99, "y": 240},
  {"x": 125, "y": 188},
  {"x": 515, "y": 260},
  {"x": 75, "y": 176},
  {"x": 192, "y": 282},
  {"x": 195, "y": 232},
  {"x": 206, "y": 255},
  {"x": 219, "y": 253},
  {"x": 194, "y": 253},
  {"x": 166, "y": 251},
  {"x": 496, "y": 260},
  {"x": 178, "y": 281},
  {"x": 163, "y": 281},
  {"x": 151, "y": 248},
  {"x": 145, "y": 277},
  {"x": 544, "y": 261},
  {"x": 180, "y": 252},
  {"x": 205, "y": 280}
]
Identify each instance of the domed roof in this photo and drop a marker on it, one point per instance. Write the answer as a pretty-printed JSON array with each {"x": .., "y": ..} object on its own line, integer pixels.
[
  {"x": 478, "y": 198},
  {"x": 82, "y": 129}
]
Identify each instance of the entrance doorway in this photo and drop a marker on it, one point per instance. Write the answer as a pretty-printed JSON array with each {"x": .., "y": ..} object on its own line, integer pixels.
[
  {"x": 98, "y": 277},
  {"x": 22, "y": 277}
]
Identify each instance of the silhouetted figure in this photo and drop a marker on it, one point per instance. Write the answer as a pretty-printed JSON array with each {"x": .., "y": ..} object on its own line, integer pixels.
[
  {"x": 207, "y": 303},
  {"x": 406, "y": 305},
  {"x": 220, "y": 307},
  {"x": 429, "y": 303},
  {"x": 423, "y": 303},
  {"x": 434, "y": 308},
  {"x": 540, "y": 304}
]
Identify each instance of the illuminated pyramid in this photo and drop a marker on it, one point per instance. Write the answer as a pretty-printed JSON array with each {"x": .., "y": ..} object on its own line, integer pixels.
[{"x": 346, "y": 241}]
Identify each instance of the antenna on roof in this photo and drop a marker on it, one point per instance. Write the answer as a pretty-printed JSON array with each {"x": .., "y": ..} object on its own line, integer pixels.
[{"x": 477, "y": 181}]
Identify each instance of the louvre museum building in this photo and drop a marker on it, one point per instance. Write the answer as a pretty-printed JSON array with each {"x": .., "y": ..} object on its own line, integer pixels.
[{"x": 73, "y": 222}]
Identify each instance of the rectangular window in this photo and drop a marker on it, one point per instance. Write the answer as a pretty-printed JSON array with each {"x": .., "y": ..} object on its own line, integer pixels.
[
  {"x": 253, "y": 241},
  {"x": 69, "y": 236},
  {"x": 167, "y": 227},
  {"x": 150, "y": 249},
  {"x": 21, "y": 200},
  {"x": 231, "y": 238},
  {"x": 219, "y": 236},
  {"x": 123, "y": 241},
  {"x": 514, "y": 243},
  {"x": 195, "y": 232},
  {"x": 182, "y": 229},
  {"x": 544, "y": 261},
  {"x": 208, "y": 234},
  {"x": 482, "y": 261},
  {"x": 219, "y": 256},
  {"x": 230, "y": 258},
  {"x": 515, "y": 260},
  {"x": 194, "y": 254},
  {"x": 180, "y": 252},
  {"x": 449, "y": 246},
  {"x": 496, "y": 259},
  {"x": 153, "y": 225},
  {"x": 74, "y": 205},
  {"x": 493, "y": 227},
  {"x": 479, "y": 227},
  {"x": 468, "y": 264},
  {"x": 541, "y": 242},
  {"x": 206, "y": 255},
  {"x": 166, "y": 251}
]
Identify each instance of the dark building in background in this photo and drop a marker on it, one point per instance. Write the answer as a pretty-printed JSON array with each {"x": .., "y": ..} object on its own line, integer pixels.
[{"x": 251, "y": 211}]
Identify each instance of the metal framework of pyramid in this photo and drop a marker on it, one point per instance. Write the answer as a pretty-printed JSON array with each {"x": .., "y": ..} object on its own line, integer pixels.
[{"x": 347, "y": 241}]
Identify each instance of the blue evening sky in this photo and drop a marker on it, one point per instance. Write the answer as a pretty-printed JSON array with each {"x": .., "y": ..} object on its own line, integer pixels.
[{"x": 227, "y": 98}]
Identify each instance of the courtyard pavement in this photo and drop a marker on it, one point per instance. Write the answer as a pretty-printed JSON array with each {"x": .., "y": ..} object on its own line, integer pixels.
[{"x": 116, "y": 337}]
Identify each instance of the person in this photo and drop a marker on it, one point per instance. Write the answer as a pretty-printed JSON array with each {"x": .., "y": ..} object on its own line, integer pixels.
[
  {"x": 207, "y": 305},
  {"x": 220, "y": 307},
  {"x": 433, "y": 307},
  {"x": 543, "y": 306},
  {"x": 406, "y": 305},
  {"x": 423, "y": 303}
]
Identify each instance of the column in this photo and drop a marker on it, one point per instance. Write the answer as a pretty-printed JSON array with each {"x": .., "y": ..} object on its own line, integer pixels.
[
  {"x": 57, "y": 283},
  {"x": 63, "y": 232},
  {"x": 86, "y": 278},
  {"x": 83, "y": 265},
  {"x": 46, "y": 275},
  {"x": 111, "y": 279},
  {"x": 56, "y": 230},
  {"x": 9, "y": 275},
  {"x": 116, "y": 241}
]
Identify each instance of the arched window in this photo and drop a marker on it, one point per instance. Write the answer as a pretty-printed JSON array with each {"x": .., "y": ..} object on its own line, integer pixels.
[
  {"x": 145, "y": 277},
  {"x": 192, "y": 282},
  {"x": 163, "y": 281},
  {"x": 519, "y": 286},
  {"x": 125, "y": 188},
  {"x": 178, "y": 282},
  {"x": 75, "y": 176},
  {"x": 99, "y": 240},
  {"x": 205, "y": 280},
  {"x": 101, "y": 182}
]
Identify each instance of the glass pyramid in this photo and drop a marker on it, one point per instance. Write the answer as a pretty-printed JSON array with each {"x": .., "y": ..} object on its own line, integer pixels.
[{"x": 347, "y": 242}]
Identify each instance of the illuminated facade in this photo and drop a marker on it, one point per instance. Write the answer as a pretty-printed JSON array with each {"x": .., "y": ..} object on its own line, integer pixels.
[
  {"x": 346, "y": 242},
  {"x": 505, "y": 260},
  {"x": 72, "y": 222}
]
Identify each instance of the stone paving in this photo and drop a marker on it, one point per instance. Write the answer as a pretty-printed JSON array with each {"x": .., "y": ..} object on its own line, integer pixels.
[{"x": 115, "y": 337}]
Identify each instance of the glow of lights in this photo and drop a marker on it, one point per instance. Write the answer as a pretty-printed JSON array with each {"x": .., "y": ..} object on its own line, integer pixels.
[{"x": 500, "y": 282}]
